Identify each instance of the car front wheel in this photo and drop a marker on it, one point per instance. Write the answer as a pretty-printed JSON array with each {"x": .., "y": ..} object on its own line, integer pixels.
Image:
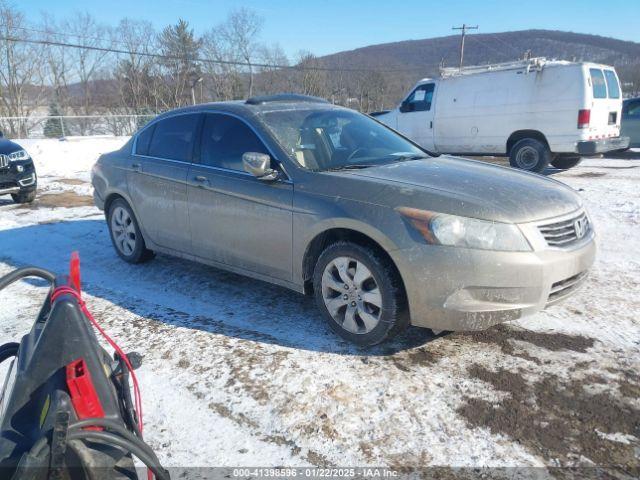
[
  {"x": 360, "y": 294},
  {"x": 24, "y": 197},
  {"x": 125, "y": 233}
]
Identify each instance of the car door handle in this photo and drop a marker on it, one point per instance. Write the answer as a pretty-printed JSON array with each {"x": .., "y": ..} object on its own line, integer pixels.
[
  {"x": 136, "y": 166},
  {"x": 200, "y": 178}
]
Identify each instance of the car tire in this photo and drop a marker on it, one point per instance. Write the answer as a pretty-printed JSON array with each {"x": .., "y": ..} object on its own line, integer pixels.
[
  {"x": 531, "y": 155},
  {"x": 564, "y": 163},
  {"x": 375, "y": 293},
  {"x": 125, "y": 233},
  {"x": 24, "y": 197}
]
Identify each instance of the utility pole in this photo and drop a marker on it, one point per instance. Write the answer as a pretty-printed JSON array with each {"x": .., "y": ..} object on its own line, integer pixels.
[{"x": 464, "y": 29}]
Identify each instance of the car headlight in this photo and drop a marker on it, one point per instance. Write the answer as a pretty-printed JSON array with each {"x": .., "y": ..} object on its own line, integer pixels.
[
  {"x": 19, "y": 155},
  {"x": 452, "y": 230}
]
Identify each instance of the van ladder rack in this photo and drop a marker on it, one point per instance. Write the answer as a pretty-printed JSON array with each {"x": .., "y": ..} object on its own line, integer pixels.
[{"x": 532, "y": 64}]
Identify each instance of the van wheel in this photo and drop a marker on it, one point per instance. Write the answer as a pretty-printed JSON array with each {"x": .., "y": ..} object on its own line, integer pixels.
[
  {"x": 530, "y": 154},
  {"x": 565, "y": 162},
  {"x": 360, "y": 294},
  {"x": 125, "y": 233}
]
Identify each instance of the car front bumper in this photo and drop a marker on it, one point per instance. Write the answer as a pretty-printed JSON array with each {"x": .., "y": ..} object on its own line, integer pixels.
[
  {"x": 603, "y": 145},
  {"x": 12, "y": 180},
  {"x": 459, "y": 289}
]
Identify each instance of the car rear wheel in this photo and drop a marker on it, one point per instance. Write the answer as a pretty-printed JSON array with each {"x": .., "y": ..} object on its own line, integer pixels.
[
  {"x": 530, "y": 154},
  {"x": 360, "y": 294},
  {"x": 125, "y": 233},
  {"x": 24, "y": 197},
  {"x": 565, "y": 162}
]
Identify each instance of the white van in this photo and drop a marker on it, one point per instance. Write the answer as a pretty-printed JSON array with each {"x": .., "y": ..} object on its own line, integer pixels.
[{"x": 535, "y": 111}]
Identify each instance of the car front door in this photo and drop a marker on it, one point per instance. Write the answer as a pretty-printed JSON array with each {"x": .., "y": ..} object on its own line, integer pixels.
[
  {"x": 416, "y": 116},
  {"x": 235, "y": 218},
  {"x": 157, "y": 181}
]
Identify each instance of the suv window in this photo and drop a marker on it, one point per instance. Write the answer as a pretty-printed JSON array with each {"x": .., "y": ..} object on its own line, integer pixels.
[
  {"x": 632, "y": 109},
  {"x": 225, "y": 139},
  {"x": 420, "y": 98},
  {"x": 173, "y": 137},
  {"x": 143, "y": 141},
  {"x": 612, "y": 84},
  {"x": 598, "y": 84}
]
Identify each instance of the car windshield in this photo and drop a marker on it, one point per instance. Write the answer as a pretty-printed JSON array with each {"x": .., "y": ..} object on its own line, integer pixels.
[{"x": 333, "y": 139}]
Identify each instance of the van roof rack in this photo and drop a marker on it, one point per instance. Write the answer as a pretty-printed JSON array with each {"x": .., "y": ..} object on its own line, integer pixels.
[
  {"x": 531, "y": 64},
  {"x": 284, "y": 97}
]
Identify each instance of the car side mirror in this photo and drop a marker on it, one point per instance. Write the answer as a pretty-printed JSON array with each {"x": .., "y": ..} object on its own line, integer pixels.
[
  {"x": 406, "y": 107},
  {"x": 259, "y": 165}
]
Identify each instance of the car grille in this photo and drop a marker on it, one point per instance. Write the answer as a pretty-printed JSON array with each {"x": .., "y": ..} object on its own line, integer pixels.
[
  {"x": 563, "y": 288},
  {"x": 566, "y": 232},
  {"x": 4, "y": 161}
]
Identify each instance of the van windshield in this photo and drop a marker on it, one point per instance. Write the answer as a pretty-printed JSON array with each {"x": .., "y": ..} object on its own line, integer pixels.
[
  {"x": 612, "y": 84},
  {"x": 598, "y": 84},
  {"x": 336, "y": 139}
]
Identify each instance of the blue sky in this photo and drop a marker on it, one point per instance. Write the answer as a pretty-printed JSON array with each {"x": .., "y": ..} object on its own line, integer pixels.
[{"x": 326, "y": 26}]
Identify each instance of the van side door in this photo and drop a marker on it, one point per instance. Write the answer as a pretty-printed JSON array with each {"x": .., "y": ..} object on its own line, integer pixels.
[{"x": 416, "y": 115}]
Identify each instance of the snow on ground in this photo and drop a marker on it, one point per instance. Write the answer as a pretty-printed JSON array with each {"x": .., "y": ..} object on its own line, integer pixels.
[{"x": 251, "y": 368}]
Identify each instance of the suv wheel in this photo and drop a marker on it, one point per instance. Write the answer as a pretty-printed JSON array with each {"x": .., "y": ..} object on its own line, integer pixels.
[
  {"x": 24, "y": 197},
  {"x": 530, "y": 154},
  {"x": 125, "y": 233},
  {"x": 564, "y": 163},
  {"x": 359, "y": 294}
]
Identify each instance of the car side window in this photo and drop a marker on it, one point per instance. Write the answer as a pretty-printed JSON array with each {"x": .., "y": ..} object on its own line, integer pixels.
[
  {"x": 420, "y": 99},
  {"x": 173, "y": 137},
  {"x": 225, "y": 139},
  {"x": 143, "y": 140}
]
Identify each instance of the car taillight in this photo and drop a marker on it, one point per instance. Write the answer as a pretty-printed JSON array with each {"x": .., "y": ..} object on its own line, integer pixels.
[{"x": 584, "y": 117}]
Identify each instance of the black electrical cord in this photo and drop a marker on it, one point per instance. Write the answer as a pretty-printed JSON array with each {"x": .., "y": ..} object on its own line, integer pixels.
[
  {"x": 133, "y": 448},
  {"x": 8, "y": 350},
  {"x": 115, "y": 427},
  {"x": 16, "y": 275}
]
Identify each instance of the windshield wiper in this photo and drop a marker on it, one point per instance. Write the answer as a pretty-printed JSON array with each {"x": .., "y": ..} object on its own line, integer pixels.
[{"x": 350, "y": 166}]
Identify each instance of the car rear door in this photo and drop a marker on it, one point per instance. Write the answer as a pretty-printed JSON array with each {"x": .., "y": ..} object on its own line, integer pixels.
[
  {"x": 416, "y": 116},
  {"x": 235, "y": 218},
  {"x": 157, "y": 182},
  {"x": 606, "y": 103}
]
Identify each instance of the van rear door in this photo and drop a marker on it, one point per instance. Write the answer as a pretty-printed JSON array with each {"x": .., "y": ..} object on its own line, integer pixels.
[{"x": 606, "y": 105}]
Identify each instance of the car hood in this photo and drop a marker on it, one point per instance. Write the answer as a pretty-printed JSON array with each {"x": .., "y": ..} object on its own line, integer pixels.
[
  {"x": 7, "y": 146},
  {"x": 460, "y": 187}
]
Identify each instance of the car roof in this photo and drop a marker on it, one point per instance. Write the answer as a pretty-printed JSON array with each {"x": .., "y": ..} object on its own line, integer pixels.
[{"x": 258, "y": 105}]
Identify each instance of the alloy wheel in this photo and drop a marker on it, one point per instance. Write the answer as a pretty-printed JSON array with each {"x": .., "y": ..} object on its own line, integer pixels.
[
  {"x": 351, "y": 295},
  {"x": 123, "y": 231}
]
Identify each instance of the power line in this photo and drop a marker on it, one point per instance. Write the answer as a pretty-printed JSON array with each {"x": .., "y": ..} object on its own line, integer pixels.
[{"x": 210, "y": 61}]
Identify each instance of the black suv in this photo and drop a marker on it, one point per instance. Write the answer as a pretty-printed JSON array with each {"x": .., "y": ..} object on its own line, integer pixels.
[{"x": 17, "y": 172}]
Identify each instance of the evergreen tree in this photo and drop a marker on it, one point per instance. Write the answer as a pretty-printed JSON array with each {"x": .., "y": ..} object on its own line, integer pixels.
[{"x": 53, "y": 127}]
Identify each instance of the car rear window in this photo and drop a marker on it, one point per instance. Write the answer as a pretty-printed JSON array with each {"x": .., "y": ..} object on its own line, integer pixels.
[
  {"x": 598, "y": 83},
  {"x": 143, "y": 141},
  {"x": 612, "y": 84},
  {"x": 173, "y": 137}
]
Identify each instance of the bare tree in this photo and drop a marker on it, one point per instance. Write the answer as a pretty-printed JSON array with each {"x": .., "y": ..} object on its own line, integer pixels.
[
  {"x": 85, "y": 63},
  {"x": 20, "y": 72},
  {"x": 223, "y": 80},
  {"x": 134, "y": 72},
  {"x": 241, "y": 31}
]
